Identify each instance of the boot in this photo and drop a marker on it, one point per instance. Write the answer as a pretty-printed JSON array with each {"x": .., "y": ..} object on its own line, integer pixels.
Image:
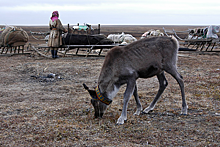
[
  {"x": 55, "y": 54},
  {"x": 52, "y": 53}
]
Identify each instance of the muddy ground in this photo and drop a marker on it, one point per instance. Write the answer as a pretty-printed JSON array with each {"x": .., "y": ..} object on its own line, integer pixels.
[{"x": 39, "y": 111}]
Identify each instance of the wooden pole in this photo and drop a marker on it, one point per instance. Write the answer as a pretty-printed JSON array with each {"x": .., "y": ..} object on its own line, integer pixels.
[{"x": 98, "y": 28}]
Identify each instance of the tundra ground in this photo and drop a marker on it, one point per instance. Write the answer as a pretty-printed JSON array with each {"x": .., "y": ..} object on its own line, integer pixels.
[{"x": 39, "y": 111}]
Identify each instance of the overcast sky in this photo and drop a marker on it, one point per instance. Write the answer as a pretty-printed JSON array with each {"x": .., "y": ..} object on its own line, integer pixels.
[{"x": 118, "y": 12}]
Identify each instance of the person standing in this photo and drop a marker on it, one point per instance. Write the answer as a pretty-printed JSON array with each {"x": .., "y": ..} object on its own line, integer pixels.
[{"x": 55, "y": 38}]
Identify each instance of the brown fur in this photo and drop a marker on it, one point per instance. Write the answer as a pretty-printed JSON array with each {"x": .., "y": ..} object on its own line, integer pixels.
[{"x": 147, "y": 57}]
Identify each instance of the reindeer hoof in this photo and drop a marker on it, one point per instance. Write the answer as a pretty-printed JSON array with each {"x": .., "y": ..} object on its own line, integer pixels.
[
  {"x": 138, "y": 112},
  {"x": 147, "y": 110},
  {"x": 183, "y": 113},
  {"x": 121, "y": 121},
  {"x": 184, "y": 110}
]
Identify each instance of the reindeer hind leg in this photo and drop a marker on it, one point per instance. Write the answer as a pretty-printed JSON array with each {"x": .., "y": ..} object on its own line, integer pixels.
[
  {"x": 163, "y": 84},
  {"x": 173, "y": 71}
]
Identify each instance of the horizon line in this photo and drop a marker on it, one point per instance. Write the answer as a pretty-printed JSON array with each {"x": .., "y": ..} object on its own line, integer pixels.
[{"x": 111, "y": 24}]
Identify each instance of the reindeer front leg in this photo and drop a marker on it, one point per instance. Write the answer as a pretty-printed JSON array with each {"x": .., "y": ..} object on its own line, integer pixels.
[{"x": 127, "y": 95}]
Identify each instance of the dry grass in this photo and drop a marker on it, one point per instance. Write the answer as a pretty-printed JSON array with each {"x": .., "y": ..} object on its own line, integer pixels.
[{"x": 39, "y": 112}]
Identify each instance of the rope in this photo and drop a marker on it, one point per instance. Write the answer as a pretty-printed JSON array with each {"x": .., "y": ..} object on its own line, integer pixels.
[
  {"x": 35, "y": 37},
  {"x": 2, "y": 29},
  {"x": 6, "y": 40},
  {"x": 39, "y": 52},
  {"x": 177, "y": 35}
]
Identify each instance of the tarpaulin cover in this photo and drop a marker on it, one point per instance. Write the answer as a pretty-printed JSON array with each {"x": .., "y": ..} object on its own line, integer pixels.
[
  {"x": 74, "y": 39},
  {"x": 12, "y": 36}
]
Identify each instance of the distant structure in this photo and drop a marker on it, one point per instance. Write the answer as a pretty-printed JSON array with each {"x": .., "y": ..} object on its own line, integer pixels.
[{"x": 84, "y": 29}]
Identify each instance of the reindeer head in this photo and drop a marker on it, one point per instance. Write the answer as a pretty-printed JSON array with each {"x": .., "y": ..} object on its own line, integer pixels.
[{"x": 98, "y": 101}]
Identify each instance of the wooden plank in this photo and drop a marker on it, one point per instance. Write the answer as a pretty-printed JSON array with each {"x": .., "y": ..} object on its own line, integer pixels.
[{"x": 198, "y": 40}]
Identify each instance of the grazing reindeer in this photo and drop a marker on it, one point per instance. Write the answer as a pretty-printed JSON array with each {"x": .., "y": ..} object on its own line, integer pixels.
[{"x": 124, "y": 65}]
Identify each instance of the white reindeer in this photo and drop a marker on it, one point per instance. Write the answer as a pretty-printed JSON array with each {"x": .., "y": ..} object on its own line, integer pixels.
[
  {"x": 152, "y": 33},
  {"x": 124, "y": 65},
  {"x": 122, "y": 38}
]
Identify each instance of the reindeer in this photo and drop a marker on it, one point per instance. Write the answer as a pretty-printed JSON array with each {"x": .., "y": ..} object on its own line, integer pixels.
[{"x": 144, "y": 58}]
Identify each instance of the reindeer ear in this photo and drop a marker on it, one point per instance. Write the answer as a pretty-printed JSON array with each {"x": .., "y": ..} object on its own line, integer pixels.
[
  {"x": 91, "y": 92},
  {"x": 84, "y": 85}
]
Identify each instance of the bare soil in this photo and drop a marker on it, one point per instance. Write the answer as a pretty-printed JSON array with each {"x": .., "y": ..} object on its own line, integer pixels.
[{"x": 39, "y": 111}]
